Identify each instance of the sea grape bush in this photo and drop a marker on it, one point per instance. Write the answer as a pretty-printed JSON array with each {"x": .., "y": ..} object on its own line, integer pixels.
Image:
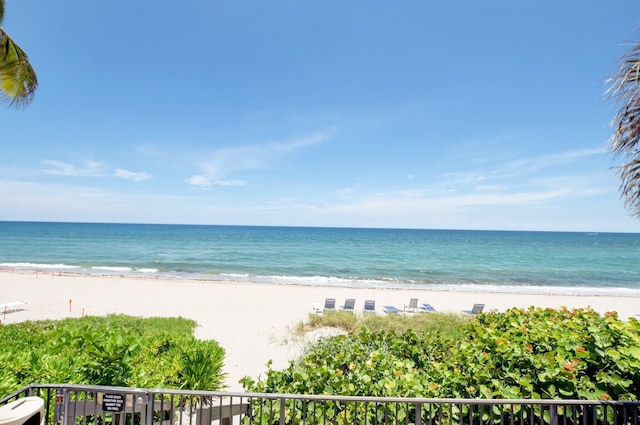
[
  {"x": 544, "y": 353},
  {"x": 381, "y": 364},
  {"x": 112, "y": 350},
  {"x": 534, "y": 353}
]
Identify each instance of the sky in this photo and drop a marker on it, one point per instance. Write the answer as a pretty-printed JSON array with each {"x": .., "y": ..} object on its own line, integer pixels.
[{"x": 434, "y": 114}]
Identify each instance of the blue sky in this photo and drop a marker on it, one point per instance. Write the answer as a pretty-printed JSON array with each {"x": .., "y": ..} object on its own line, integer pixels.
[{"x": 415, "y": 114}]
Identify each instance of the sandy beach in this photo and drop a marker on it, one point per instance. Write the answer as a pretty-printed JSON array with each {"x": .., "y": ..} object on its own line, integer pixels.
[{"x": 251, "y": 321}]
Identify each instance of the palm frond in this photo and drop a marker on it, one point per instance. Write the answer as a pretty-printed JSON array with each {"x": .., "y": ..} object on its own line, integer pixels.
[
  {"x": 630, "y": 185},
  {"x": 18, "y": 80},
  {"x": 624, "y": 90}
]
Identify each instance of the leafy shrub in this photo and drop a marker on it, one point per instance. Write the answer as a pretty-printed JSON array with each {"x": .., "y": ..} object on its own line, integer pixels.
[
  {"x": 112, "y": 350},
  {"x": 544, "y": 353},
  {"x": 533, "y": 353},
  {"x": 201, "y": 367},
  {"x": 370, "y": 363}
]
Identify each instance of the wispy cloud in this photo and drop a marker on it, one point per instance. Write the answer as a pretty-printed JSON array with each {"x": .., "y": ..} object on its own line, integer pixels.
[
  {"x": 510, "y": 184},
  {"x": 132, "y": 175},
  {"x": 512, "y": 168},
  {"x": 201, "y": 181},
  {"x": 225, "y": 162},
  {"x": 90, "y": 168},
  {"x": 86, "y": 168},
  {"x": 207, "y": 183},
  {"x": 410, "y": 200},
  {"x": 529, "y": 165}
]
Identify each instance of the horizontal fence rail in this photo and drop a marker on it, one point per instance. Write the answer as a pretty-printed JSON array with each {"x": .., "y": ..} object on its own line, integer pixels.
[{"x": 97, "y": 405}]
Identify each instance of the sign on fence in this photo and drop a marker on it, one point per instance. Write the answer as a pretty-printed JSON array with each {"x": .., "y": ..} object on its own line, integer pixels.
[{"x": 113, "y": 402}]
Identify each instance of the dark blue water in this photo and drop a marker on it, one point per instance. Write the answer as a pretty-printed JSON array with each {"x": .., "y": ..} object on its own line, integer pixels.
[{"x": 441, "y": 259}]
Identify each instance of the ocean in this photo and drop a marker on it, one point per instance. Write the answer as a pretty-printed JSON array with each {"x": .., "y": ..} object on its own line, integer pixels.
[{"x": 464, "y": 260}]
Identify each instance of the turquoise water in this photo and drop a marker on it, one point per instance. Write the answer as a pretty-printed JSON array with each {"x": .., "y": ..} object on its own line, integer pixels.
[{"x": 583, "y": 263}]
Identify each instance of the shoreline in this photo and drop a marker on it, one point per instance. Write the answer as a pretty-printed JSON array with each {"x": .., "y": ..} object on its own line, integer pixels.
[
  {"x": 251, "y": 321},
  {"x": 332, "y": 282}
]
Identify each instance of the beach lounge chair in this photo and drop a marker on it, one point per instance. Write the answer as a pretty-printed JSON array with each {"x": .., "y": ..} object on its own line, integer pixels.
[
  {"x": 428, "y": 308},
  {"x": 349, "y": 304},
  {"x": 390, "y": 309},
  {"x": 329, "y": 304},
  {"x": 13, "y": 306},
  {"x": 369, "y": 306},
  {"x": 477, "y": 308},
  {"x": 413, "y": 305}
]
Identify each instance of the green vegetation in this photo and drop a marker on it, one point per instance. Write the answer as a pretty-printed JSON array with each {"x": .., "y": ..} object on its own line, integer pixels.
[
  {"x": 442, "y": 323},
  {"x": 18, "y": 80},
  {"x": 113, "y": 350},
  {"x": 529, "y": 354},
  {"x": 534, "y": 353}
]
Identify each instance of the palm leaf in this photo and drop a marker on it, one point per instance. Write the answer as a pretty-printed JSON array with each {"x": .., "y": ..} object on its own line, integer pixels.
[
  {"x": 18, "y": 80},
  {"x": 624, "y": 89},
  {"x": 630, "y": 186}
]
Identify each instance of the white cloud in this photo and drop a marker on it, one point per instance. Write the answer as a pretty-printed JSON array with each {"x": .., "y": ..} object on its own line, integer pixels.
[
  {"x": 207, "y": 183},
  {"x": 230, "y": 183},
  {"x": 90, "y": 168},
  {"x": 529, "y": 165},
  {"x": 408, "y": 200},
  {"x": 313, "y": 139},
  {"x": 228, "y": 161},
  {"x": 568, "y": 171},
  {"x": 201, "y": 181},
  {"x": 344, "y": 193},
  {"x": 528, "y": 210},
  {"x": 132, "y": 175},
  {"x": 87, "y": 168},
  {"x": 491, "y": 188}
]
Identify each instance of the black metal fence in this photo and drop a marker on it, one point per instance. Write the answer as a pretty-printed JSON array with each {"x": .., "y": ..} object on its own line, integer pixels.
[{"x": 95, "y": 405}]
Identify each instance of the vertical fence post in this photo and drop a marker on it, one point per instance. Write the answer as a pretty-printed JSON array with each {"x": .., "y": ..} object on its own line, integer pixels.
[
  {"x": 282, "y": 407},
  {"x": 58, "y": 413},
  {"x": 151, "y": 402},
  {"x": 553, "y": 414}
]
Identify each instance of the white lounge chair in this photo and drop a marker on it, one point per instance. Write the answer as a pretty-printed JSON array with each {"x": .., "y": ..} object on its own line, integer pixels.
[
  {"x": 12, "y": 306},
  {"x": 329, "y": 304},
  {"x": 369, "y": 306},
  {"x": 349, "y": 304},
  {"x": 476, "y": 309},
  {"x": 413, "y": 305},
  {"x": 390, "y": 309},
  {"x": 428, "y": 308}
]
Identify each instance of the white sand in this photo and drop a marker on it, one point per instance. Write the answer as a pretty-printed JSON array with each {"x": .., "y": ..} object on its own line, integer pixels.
[{"x": 251, "y": 321}]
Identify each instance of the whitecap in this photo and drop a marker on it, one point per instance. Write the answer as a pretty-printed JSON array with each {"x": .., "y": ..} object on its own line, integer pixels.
[
  {"x": 37, "y": 266},
  {"x": 148, "y": 270},
  {"x": 112, "y": 269}
]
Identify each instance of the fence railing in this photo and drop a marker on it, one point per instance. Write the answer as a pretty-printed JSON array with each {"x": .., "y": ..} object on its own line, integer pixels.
[{"x": 96, "y": 405}]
